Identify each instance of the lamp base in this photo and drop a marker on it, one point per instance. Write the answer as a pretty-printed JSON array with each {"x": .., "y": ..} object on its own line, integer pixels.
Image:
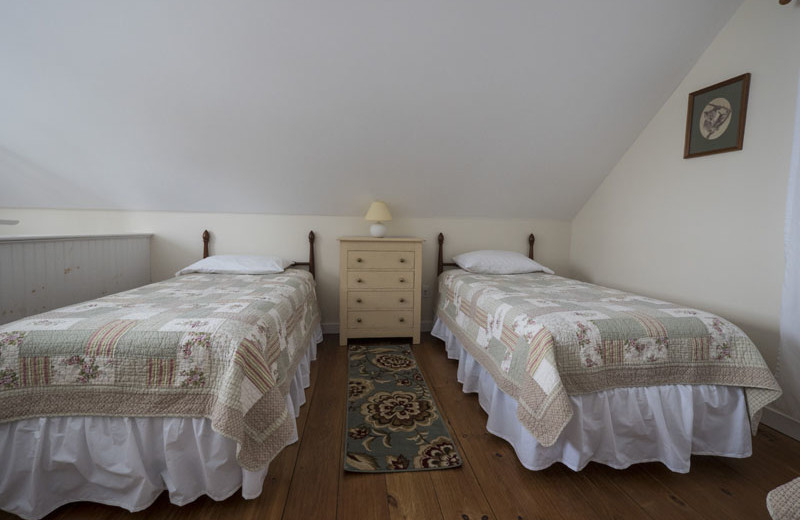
[{"x": 377, "y": 230}]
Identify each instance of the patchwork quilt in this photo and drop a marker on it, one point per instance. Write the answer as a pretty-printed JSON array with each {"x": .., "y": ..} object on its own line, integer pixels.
[
  {"x": 224, "y": 347},
  {"x": 544, "y": 337}
]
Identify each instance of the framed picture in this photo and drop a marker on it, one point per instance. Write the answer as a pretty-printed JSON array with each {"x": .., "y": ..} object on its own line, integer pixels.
[{"x": 715, "y": 122}]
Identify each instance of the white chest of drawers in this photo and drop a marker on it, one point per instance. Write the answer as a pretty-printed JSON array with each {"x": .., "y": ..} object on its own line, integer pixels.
[{"x": 380, "y": 286}]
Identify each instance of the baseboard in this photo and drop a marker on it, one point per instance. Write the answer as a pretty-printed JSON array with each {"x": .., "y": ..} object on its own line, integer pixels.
[
  {"x": 333, "y": 328},
  {"x": 781, "y": 422},
  {"x": 330, "y": 328}
]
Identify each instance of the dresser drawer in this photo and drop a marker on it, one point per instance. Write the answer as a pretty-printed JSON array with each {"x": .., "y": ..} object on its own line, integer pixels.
[
  {"x": 380, "y": 319},
  {"x": 380, "y": 260},
  {"x": 380, "y": 300},
  {"x": 380, "y": 279}
]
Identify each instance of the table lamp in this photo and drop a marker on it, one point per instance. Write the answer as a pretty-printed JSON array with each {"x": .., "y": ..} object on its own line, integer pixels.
[{"x": 378, "y": 212}]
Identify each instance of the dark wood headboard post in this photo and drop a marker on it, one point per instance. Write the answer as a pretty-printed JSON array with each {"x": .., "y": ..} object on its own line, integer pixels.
[
  {"x": 206, "y": 237},
  {"x": 310, "y": 263},
  {"x": 440, "y": 260},
  {"x": 531, "y": 240},
  {"x": 440, "y": 263},
  {"x": 311, "y": 268}
]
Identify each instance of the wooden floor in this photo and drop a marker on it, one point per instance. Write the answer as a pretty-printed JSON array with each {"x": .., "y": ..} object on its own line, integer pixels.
[{"x": 306, "y": 480}]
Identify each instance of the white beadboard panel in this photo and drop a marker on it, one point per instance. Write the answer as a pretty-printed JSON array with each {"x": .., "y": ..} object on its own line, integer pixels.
[{"x": 41, "y": 273}]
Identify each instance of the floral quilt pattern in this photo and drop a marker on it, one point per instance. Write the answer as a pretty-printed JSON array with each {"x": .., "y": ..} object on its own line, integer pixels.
[
  {"x": 544, "y": 337},
  {"x": 218, "y": 346}
]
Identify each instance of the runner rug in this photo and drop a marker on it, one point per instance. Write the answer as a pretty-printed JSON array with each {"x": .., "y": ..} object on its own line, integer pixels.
[{"x": 392, "y": 421}]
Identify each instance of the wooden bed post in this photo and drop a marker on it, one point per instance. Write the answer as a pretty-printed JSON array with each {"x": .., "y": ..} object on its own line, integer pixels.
[
  {"x": 440, "y": 263},
  {"x": 206, "y": 237},
  {"x": 311, "y": 269},
  {"x": 531, "y": 239},
  {"x": 440, "y": 260}
]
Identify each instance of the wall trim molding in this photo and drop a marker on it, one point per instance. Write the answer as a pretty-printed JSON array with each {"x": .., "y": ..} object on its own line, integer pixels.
[
  {"x": 60, "y": 238},
  {"x": 781, "y": 422}
]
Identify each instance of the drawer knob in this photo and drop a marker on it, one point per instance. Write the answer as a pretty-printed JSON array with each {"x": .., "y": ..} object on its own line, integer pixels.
[
  {"x": 358, "y": 300},
  {"x": 402, "y": 260},
  {"x": 358, "y": 320},
  {"x": 402, "y": 300},
  {"x": 360, "y": 280},
  {"x": 402, "y": 280},
  {"x": 359, "y": 260},
  {"x": 402, "y": 320}
]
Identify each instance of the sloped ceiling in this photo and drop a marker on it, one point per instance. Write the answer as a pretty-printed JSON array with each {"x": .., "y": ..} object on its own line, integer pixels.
[{"x": 442, "y": 108}]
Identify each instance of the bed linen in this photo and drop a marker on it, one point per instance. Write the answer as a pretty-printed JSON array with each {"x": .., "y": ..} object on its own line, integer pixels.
[
  {"x": 544, "y": 338},
  {"x": 218, "y": 358},
  {"x": 127, "y": 461},
  {"x": 617, "y": 427}
]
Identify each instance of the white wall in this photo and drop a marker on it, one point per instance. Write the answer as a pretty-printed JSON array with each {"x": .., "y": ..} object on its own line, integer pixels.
[
  {"x": 360, "y": 99},
  {"x": 176, "y": 239},
  {"x": 707, "y": 231}
]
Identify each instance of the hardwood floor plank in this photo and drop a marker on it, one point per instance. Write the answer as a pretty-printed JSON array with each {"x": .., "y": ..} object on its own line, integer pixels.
[
  {"x": 314, "y": 488},
  {"x": 714, "y": 490},
  {"x": 780, "y": 448},
  {"x": 578, "y": 496},
  {"x": 458, "y": 491},
  {"x": 459, "y": 494},
  {"x": 512, "y": 491},
  {"x": 764, "y": 473},
  {"x": 658, "y": 501},
  {"x": 775, "y": 460},
  {"x": 411, "y": 496},
  {"x": 363, "y": 496}
]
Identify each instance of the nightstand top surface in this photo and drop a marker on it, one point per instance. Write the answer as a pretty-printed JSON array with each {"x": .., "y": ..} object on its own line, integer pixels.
[{"x": 384, "y": 239}]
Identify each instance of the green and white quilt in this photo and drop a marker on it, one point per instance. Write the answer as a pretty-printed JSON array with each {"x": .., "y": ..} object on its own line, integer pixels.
[
  {"x": 220, "y": 346},
  {"x": 543, "y": 337}
]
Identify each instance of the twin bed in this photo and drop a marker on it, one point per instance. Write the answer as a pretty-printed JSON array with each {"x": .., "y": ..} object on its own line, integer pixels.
[
  {"x": 573, "y": 372},
  {"x": 193, "y": 384},
  {"x": 190, "y": 385}
]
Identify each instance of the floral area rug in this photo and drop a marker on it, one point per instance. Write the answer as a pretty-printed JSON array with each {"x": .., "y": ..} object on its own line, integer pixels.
[{"x": 392, "y": 421}]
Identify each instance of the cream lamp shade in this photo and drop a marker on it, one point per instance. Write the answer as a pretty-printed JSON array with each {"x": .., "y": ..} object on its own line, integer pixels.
[{"x": 378, "y": 212}]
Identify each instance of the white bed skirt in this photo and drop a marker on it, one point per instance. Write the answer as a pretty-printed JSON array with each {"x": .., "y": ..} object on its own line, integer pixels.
[
  {"x": 617, "y": 427},
  {"x": 126, "y": 461}
]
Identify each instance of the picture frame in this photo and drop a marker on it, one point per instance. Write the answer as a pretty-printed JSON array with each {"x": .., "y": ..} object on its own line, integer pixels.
[{"x": 716, "y": 118}]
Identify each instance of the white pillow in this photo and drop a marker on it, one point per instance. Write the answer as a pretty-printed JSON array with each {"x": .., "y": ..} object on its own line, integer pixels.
[
  {"x": 498, "y": 262},
  {"x": 237, "y": 264}
]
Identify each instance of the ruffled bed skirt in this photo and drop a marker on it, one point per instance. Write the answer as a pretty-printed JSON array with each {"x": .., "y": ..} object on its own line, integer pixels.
[
  {"x": 126, "y": 461},
  {"x": 617, "y": 427}
]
